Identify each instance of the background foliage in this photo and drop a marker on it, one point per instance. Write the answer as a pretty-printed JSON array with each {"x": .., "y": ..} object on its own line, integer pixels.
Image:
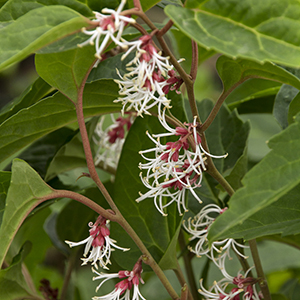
[{"x": 255, "y": 49}]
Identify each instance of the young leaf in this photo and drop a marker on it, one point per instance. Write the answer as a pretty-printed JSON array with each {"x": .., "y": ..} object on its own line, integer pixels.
[
  {"x": 40, "y": 153},
  {"x": 35, "y": 29},
  {"x": 255, "y": 95},
  {"x": 281, "y": 217},
  {"x": 234, "y": 72},
  {"x": 4, "y": 185},
  {"x": 70, "y": 155},
  {"x": 294, "y": 109},
  {"x": 25, "y": 192},
  {"x": 66, "y": 70},
  {"x": 157, "y": 232},
  {"x": 12, "y": 281},
  {"x": 14, "y": 9},
  {"x": 227, "y": 134},
  {"x": 241, "y": 29},
  {"x": 53, "y": 113},
  {"x": 268, "y": 181},
  {"x": 30, "y": 96},
  {"x": 146, "y": 4},
  {"x": 283, "y": 99}
]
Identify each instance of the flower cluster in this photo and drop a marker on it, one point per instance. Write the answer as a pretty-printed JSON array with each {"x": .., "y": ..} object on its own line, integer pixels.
[
  {"x": 150, "y": 77},
  {"x": 100, "y": 242},
  {"x": 174, "y": 167},
  {"x": 110, "y": 140},
  {"x": 219, "y": 251},
  {"x": 107, "y": 27},
  {"x": 123, "y": 288},
  {"x": 227, "y": 289}
]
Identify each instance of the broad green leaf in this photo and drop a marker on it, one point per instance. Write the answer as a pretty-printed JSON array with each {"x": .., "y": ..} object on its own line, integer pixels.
[
  {"x": 291, "y": 289},
  {"x": 36, "y": 29},
  {"x": 52, "y": 113},
  {"x": 240, "y": 29},
  {"x": 278, "y": 297},
  {"x": 4, "y": 185},
  {"x": 282, "y": 103},
  {"x": 156, "y": 232},
  {"x": 233, "y": 72},
  {"x": 14, "y": 9},
  {"x": 239, "y": 170},
  {"x": 25, "y": 193},
  {"x": 40, "y": 153},
  {"x": 30, "y": 96},
  {"x": 107, "y": 68},
  {"x": 254, "y": 96},
  {"x": 227, "y": 134},
  {"x": 281, "y": 217},
  {"x": 263, "y": 128},
  {"x": 12, "y": 281},
  {"x": 70, "y": 155},
  {"x": 32, "y": 230},
  {"x": 66, "y": 70},
  {"x": 294, "y": 108},
  {"x": 272, "y": 178},
  {"x": 164, "y": 3}
]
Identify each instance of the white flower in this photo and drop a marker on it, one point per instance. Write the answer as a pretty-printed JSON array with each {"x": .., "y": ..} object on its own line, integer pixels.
[
  {"x": 110, "y": 141},
  {"x": 227, "y": 289},
  {"x": 100, "y": 242},
  {"x": 108, "y": 25},
  {"x": 146, "y": 82},
  {"x": 123, "y": 288},
  {"x": 219, "y": 251},
  {"x": 173, "y": 168}
]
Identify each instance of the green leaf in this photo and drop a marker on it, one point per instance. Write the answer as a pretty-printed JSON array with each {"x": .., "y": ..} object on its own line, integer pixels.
[
  {"x": 14, "y": 9},
  {"x": 254, "y": 96},
  {"x": 282, "y": 103},
  {"x": 240, "y": 29},
  {"x": 281, "y": 217},
  {"x": 146, "y": 4},
  {"x": 227, "y": 134},
  {"x": 40, "y": 153},
  {"x": 66, "y": 70},
  {"x": 36, "y": 29},
  {"x": 107, "y": 68},
  {"x": 158, "y": 233},
  {"x": 33, "y": 230},
  {"x": 291, "y": 289},
  {"x": 294, "y": 109},
  {"x": 12, "y": 281},
  {"x": 4, "y": 185},
  {"x": 52, "y": 113},
  {"x": 25, "y": 192},
  {"x": 268, "y": 181},
  {"x": 234, "y": 72},
  {"x": 239, "y": 170},
  {"x": 278, "y": 297},
  {"x": 31, "y": 95},
  {"x": 71, "y": 155}
]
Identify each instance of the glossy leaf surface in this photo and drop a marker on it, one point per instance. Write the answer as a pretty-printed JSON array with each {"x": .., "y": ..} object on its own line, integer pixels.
[
  {"x": 36, "y": 29},
  {"x": 240, "y": 29},
  {"x": 25, "y": 191},
  {"x": 66, "y": 71},
  {"x": 272, "y": 178},
  {"x": 53, "y": 113}
]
